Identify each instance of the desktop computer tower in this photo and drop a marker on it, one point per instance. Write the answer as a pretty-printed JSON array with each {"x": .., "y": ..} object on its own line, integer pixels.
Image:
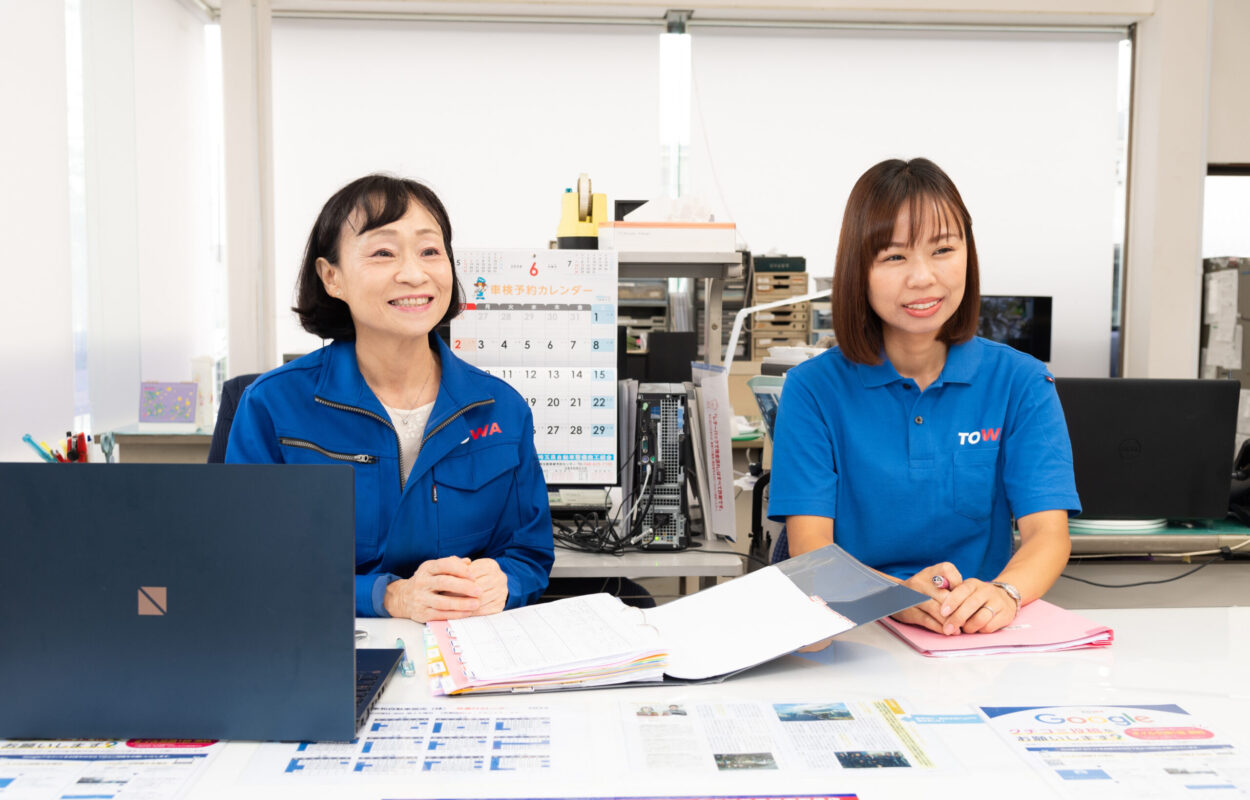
[{"x": 661, "y": 513}]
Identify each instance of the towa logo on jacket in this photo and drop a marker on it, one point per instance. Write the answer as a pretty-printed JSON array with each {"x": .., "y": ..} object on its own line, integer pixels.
[{"x": 485, "y": 430}]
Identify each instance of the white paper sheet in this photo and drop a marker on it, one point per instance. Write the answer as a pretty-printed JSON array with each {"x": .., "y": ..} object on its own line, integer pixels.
[
  {"x": 715, "y": 735},
  {"x": 136, "y": 769},
  {"x": 459, "y": 742},
  {"x": 580, "y": 630},
  {"x": 1224, "y": 345},
  {"x": 741, "y": 623},
  {"x": 1221, "y": 299}
]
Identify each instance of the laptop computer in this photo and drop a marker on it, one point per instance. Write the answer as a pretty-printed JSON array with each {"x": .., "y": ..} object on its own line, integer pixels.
[
  {"x": 205, "y": 601},
  {"x": 1151, "y": 448}
]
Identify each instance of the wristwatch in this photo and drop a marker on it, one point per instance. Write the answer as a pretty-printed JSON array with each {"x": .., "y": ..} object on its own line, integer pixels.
[{"x": 1011, "y": 591}]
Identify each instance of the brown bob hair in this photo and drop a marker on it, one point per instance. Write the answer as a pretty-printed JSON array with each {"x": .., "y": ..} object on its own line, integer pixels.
[
  {"x": 867, "y": 229},
  {"x": 379, "y": 200}
]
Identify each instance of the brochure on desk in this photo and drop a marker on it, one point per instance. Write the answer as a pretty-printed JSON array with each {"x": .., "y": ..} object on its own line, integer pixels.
[{"x": 597, "y": 641}]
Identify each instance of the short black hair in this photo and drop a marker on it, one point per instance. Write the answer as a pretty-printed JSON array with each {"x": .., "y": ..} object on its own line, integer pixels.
[{"x": 381, "y": 199}]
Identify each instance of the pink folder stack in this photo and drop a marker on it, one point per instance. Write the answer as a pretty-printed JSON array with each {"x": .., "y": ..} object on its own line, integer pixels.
[{"x": 1040, "y": 627}]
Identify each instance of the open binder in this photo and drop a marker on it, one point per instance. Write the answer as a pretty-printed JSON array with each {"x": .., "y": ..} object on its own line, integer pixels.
[{"x": 596, "y": 640}]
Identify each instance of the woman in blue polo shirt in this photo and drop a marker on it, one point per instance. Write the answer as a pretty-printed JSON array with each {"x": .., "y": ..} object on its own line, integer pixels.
[
  {"x": 451, "y": 507},
  {"x": 914, "y": 439}
]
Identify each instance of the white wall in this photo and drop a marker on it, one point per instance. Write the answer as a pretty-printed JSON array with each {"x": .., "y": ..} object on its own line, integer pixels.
[
  {"x": 1162, "y": 298},
  {"x": 35, "y": 346},
  {"x": 1228, "y": 132},
  {"x": 497, "y": 120},
  {"x": 792, "y": 118}
]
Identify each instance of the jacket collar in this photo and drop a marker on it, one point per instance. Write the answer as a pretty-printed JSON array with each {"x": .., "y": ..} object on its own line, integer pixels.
[
  {"x": 342, "y": 383},
  {"x": 962, "y": 361}
]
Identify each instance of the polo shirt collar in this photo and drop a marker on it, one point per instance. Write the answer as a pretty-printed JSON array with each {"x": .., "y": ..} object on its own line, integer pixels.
[
  {"x": 877, "y": 375},
  {"x": 962, "y": 362}
]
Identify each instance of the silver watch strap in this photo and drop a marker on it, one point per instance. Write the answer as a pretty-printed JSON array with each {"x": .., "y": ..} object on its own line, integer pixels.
[{"x": 1011, "y": 591}]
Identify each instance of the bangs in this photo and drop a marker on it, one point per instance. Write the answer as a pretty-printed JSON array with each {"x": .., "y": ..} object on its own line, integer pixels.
[
  {"x": 925, "y": 212},
  {"x": 382, "y": 206},
  {"x": 930, "y": 198}
]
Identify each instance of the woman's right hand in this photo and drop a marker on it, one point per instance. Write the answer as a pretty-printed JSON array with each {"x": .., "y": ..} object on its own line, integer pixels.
[
  {"x": 929, "y": 613},
  {"x": 441, "y": 588}
]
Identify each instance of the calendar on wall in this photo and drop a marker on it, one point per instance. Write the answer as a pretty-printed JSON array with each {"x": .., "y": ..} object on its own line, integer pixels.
[{"x": 545, "y": 322}]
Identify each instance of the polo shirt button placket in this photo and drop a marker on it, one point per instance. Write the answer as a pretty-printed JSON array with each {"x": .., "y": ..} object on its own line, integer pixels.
[{"x": 919, "y": 420}]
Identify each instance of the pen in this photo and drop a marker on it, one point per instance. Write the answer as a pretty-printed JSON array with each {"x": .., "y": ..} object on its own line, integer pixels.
[
  {"x": 42, "y": 453},
  {"x": 406, "y": 667},
  {"x": 940, "y": 582}
]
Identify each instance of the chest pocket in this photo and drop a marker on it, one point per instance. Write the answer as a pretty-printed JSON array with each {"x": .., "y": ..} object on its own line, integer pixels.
[
  {"x": 369, "y": 516},
  {"x": 974, "y": 477},
  {"x": 471, "y": 492}
]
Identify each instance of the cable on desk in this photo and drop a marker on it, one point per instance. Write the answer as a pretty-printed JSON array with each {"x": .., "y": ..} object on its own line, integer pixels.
[
  {"x": 1142, "y": 583},
  {"x": 1221, "y": 551},
  {"x": 754, "y": 558}
]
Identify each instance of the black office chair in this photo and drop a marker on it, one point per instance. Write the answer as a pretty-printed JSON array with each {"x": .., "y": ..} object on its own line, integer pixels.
[{"x": 231, "y": 390}]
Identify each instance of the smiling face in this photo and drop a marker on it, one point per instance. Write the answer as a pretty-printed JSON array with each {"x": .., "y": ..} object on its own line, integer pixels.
[
  {"x": 395, "y": 279},
  {"x": 916, "y": 283}
]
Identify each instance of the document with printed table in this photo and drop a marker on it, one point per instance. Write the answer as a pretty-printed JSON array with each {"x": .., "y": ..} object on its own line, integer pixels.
[
  {"x": 596, "y": 640},
  {"x": 1040, "y": 627}
]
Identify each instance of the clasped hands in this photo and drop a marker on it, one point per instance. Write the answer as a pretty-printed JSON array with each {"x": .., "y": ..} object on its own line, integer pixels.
[
  {"x": 449, "y": 588},
  {"x": 968, "y": 606}
]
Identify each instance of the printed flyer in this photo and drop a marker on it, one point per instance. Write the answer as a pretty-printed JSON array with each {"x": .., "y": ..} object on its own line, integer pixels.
[{"x": 1130, "y": 751}]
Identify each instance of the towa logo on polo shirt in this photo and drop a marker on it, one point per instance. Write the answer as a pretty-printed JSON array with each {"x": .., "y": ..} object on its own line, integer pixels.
[{"x": 976, "y": 437}]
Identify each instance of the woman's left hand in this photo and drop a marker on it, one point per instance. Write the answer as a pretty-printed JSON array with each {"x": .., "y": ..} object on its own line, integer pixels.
[
  {"x": 975, "y": 606},
  {"x": 486, "y": 573}
]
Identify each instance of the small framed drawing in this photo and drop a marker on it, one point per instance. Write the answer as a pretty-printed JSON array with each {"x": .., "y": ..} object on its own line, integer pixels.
[{"x": 167, "y": 407}]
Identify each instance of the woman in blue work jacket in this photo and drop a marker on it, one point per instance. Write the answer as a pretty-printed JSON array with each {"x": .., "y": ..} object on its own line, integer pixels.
[
  {"x": 451, "y": 508},
  {"x": 914, "y": 441}
]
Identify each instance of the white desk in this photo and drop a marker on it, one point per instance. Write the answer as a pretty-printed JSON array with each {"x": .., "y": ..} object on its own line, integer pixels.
[
  {"x": 1193, "y": 657},
  {"x": 713, "y": 560}
]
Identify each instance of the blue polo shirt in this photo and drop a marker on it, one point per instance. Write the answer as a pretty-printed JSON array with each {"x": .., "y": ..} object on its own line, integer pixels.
[{"x": 915, "y": 478}]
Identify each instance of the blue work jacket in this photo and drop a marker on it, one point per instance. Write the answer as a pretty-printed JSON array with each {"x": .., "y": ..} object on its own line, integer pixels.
[{"x": 476, "y": 489}]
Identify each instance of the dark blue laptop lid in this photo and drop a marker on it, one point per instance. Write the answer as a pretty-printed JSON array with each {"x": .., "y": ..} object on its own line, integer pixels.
[{"x": 177, "y": 601}]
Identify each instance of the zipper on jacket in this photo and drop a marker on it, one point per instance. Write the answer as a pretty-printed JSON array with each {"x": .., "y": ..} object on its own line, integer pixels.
[
  {"x": 453, "y": 417},
  {"x": 434, "y": 491},
  {"x": 399, "y": 450},
  {"x": 359, "y": 458}
]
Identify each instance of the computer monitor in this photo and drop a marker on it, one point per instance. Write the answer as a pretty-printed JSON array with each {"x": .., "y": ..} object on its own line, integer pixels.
[
  {"x": 1151, "y": 448},
  {"x": 1017, "y": 321}
]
